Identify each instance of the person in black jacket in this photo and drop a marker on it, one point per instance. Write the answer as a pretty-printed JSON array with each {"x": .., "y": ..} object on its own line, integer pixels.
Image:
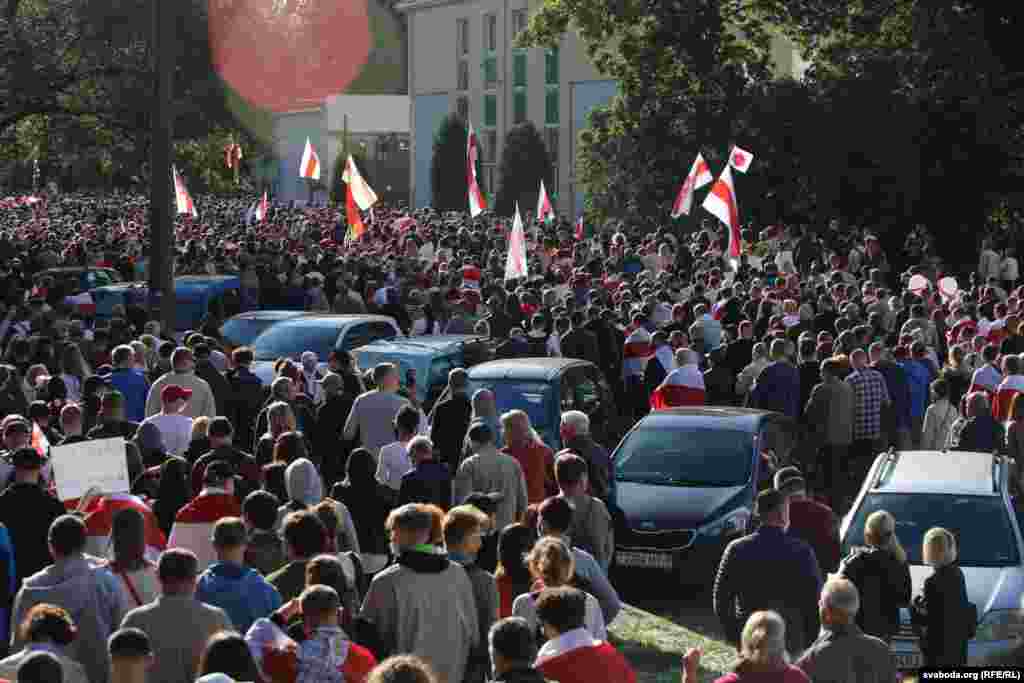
[
  {"x": 361, "y": 494},
  {"x": 942, "y": 612},
  {"x": 111, "y": 419},
  {"x": 245, "y": 395},
  {"x": 740, "y": 586},
  {"x": 330, "y": 422},
  {"x": 513, "y": 649},
  {"x": 28, "y": 510},
  {"x": 451, "y": 419},
  {"x": 428, "y": 481},
  {"x": 218, "y": 384},
  {"x": 882, "y": 576},
  {"x": 578, "y": 342}
]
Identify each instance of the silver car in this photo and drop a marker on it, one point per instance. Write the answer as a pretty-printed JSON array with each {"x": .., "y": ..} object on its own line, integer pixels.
[{"x": 966, "y": 493}]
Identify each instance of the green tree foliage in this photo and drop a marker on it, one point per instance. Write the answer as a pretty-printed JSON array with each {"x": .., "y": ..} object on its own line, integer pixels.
[
  {"x": 448, "y": 183},
  {"x": 524, "y": 162}
]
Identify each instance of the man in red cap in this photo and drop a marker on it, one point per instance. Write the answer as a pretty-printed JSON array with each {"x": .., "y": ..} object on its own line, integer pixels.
[{"x": 175, "y": 428}]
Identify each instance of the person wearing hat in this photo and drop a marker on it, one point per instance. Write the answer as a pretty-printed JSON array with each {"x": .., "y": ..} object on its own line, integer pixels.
[
  {"x": 175, "y": 428},
  {"x": 193, "y": 525},
  {"x": 183, "y": 374},
  {"x": 740, "y": 588},
  {"x": 112, "y": 422},
  {"x": 131, "y": 656},
  {"x": 809, "y": 519}
]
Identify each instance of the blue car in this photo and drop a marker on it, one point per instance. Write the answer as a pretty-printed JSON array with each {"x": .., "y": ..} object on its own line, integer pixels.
[
  {"x": 684, "y": 484},
  {"x": 430, "y": 357},
  {"x": 544, "y": 388},
  {"x": 193, "y": 294}
]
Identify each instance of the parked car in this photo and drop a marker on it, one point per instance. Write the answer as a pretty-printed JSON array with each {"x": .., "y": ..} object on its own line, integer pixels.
[
  {"x": 320, "y": 334},
  {"x": 242, "y": 329},
  {"x": 430, "y": 357},
  {"x": 76, "y": 280},
  {"x": 194, "y": 295},
  {"x": 684, "y": 484},
  {"x": 967, "y": 493},
  {"x": 545, "y": 388}
]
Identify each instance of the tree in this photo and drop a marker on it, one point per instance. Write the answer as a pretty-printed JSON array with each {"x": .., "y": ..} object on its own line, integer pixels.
[
  {"x": 524, "y": 163},
  {"x": 448, "y": 183},
  {"x": 340, "y": 188}
]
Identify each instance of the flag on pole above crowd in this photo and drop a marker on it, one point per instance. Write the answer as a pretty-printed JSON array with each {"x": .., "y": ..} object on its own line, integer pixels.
[
  {"x": 740, "y": 159},
  {"x": 698, "y": 177},
  {"x": 232, "y": 155},
  {"x": 477, "y": 203},
  {"x": 182, "y": 199},
  {"x": 515, "y": 264},
  {"x": 579, "y": 229},
  {"x": 261, "y": 208},
  {"x": 358, "y": 197},
  {"x": 545, "y": 214},
  {"x": 309, "y": 167},
  {"x": 721, "y": 203}
]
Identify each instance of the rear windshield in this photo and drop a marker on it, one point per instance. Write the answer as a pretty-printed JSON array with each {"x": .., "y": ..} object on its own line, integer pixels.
[
  {"x": 981, "y": 525},
  {"x": 292, "y": 340},
  {"x": 241, "y": 331}
]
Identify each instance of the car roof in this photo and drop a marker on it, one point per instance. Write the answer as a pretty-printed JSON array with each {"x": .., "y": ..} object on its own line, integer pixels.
[
  {"x": 338, "y": 320},
  {"x": 955, "y": 472},
  {"x": 432, "y": 343},
  {"x": 267, "y": 315},
  {"x": 743, "y": 419},
  {"x": 524, "y": 368}
]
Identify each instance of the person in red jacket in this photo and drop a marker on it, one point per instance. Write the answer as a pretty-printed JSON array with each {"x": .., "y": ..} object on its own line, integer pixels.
[
  {"x": 811, "y": 521},
  {"x": 571, "y": 654}
]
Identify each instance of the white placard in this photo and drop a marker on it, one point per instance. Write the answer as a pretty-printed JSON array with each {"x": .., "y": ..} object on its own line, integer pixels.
[{"x": 99, "y": 464}]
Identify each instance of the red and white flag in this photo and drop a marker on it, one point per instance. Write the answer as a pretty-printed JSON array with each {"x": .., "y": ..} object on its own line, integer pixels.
[
  {"x": 698, "y": 177},
  {"x": 544, "y": 211},
  {"x": 309, "y": 167},
  {"x": 362, "y": 193},
  {"x": 721, "y": 203},
  {"x": 261, "y": 208},
  {"x": 682, "y": 387},
  {"x": 740, "y": 159},
  {"x": 181, "y": 196},
  {"x": 477, "y": 203},
  {"x": 579, "y": 229},
  {"x": 515, "y": 264}
]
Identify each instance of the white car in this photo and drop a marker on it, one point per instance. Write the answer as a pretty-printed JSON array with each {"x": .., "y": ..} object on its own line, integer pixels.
[{"x": 966, "y": 493}]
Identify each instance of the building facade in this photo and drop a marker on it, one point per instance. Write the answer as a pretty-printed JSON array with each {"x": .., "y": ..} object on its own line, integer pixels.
[{"x": 462, "y": 59}]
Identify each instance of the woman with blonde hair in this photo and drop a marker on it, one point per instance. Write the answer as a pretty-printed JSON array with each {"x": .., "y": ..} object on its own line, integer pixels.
[
  {"x": 552, "y": 565},
  {"x": 280, "y": 419},
  {"x": 199, "y": 444},
  {"x": 881, "y": 574},
  {"x": 946, "y": 619},
  {"x": 537, "y": 460},
  {"x": 762, "y": 656}
]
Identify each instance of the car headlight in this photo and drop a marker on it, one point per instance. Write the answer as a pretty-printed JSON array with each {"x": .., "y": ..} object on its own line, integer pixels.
[
  {"x": 1001, "y": 624},
  {"x": 734, "y": 522}
]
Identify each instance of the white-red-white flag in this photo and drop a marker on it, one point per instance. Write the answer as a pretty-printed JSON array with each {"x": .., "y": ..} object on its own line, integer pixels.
[
  {"x": 515, "y": 264},
  {"x": 182, "y": 199},
  {"x": 544, "y": 211},
  {"x": 698, "y": 177},
  {"x": 261, "y": 208},
  {"x": 309, "y": 167},
  {"x": 721, "y": 203},
  {"x": 740, "y": 159},
  {"x": 477, "y": 203},
  {"x": 362, "y": 194}
]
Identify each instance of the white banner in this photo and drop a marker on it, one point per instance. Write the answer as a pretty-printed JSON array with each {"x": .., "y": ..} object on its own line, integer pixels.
[{"x": 99, "y": 464}]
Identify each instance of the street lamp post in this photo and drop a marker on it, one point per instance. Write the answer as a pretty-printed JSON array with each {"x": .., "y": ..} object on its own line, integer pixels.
[{"x": 161, "y": 219}]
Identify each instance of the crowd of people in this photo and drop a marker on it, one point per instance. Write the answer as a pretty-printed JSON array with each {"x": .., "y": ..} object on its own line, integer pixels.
[{"x": 329, "y": 527}]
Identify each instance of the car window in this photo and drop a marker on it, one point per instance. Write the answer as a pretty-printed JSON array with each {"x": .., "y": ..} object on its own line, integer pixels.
[
  {"x": 680, "y": 457},
  {"x": 102, "y": 278},
  {"x": 355, "y": 336},
  {"x": 292, "y": 340},
  {"x": 381, "y": 330},
  {"x": 981, "y": 525},
  {"x": 241, "y": 331},
  {"x": 533, "y": 398}
]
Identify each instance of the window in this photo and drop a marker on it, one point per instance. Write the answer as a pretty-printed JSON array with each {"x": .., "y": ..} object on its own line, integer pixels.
[
  {"x": 518, "y": 22},
  {"x": 490, "y": 145},
  {"x": 491, "y": 31},
  {"x": 489, "y": 178},
  {"x": 463, "y": 74},
  {"x": 490, "y": 68},
  {"x": 462, "y": 26},
  {"x": 687, "y": 457},
  {"x": 551, "y": 141},
  {"x": 381, "y": 330},
  {"x": 519, "y": 69},
  {"x": 490, "y": 110},
  {"x": 462, "y": 107},
  {"x": 551, "y": 106},
  {"x": 519, "y": 106},
  {"x": 551, "y": 66}
]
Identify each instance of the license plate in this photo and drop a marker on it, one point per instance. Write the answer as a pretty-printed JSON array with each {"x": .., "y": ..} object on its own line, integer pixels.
[
  {"x": 651, "y": 560},
  {"x": 908, "y": 662}
]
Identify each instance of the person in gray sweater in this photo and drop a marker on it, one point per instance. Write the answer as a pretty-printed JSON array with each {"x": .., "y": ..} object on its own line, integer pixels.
[
  {"x": 489, "y": 471},
  {"x": 420, "y": 590},
  {"x": 373, "y": 414}
]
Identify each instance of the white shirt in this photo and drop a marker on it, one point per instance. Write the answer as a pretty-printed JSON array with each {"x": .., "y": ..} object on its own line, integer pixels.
[
  {"x": 1011, "y": 269},
  {"x": 176, "y": 431},
  {"x": 392, "y": 464}
]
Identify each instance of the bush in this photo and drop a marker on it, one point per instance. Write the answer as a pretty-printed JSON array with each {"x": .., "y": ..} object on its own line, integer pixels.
[
  {"x": 448, "y": 183},
  {"x": 524, "y": 163}
]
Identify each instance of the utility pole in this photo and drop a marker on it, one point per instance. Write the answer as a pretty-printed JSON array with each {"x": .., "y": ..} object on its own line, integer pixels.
[{"x": 161, "y": 218}]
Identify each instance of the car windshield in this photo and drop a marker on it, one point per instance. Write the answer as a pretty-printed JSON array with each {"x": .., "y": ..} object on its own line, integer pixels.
[
  {"x": 241, "y": 331},
  {"x": 981, "y": 525},
  {"x": 685, "y": 457},
  {"x": 291, "y": 340},
  {"x": 533, "y": 398}
]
